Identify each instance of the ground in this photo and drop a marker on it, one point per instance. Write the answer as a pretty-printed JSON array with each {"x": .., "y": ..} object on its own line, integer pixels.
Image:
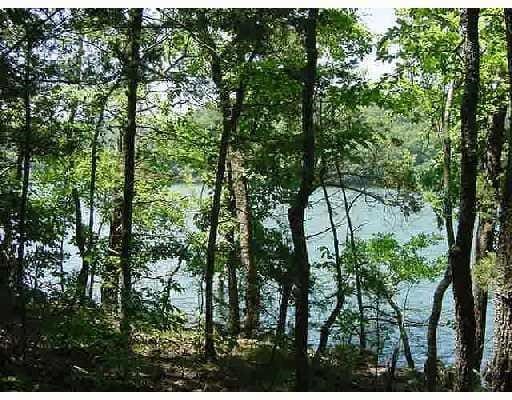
[{"x": 79, "y": 349}]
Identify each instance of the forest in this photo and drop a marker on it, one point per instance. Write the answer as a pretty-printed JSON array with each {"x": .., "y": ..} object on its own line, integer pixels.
[{"x": 231, "y": 200}]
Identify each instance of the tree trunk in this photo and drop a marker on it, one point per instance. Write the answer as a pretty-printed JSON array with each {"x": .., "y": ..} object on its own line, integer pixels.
[
  {"x": 110, "y": 278},
  {"x": 340, "y": 295},
  {"x": 500, "y": 374},
  {"x": 404, "y": 337},
  {"x": 244, "y": 215},
  {"x": 22, "y": 220},
  {"x": 230, "y": 115},
  {"x": 296, "y": 211},
  {"x": 212, "y": 240},
  {"x": 353, "y": 248},
  {"x": 286, "y": 292},
  {"x": 437, "y": 303},
  {"x": 26, "y": 159},
  {"x": 81, "y": 243},
  {"x": 134, "y": 31},
  {"x": 461, "y": 252},
  {"x": 92, "y": 188},
  {"x": 487, "y": 223},
  {"x": 61, "y": 265},
  {"x": 234, "y": 307}
]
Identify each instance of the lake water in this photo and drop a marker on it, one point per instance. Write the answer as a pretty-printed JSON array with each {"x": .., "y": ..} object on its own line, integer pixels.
[{"x": 368, "y": 218}]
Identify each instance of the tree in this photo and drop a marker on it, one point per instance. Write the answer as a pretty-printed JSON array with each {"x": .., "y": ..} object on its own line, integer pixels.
[
  {"x": 461, "y": 253},
  {"x": 429, "y": 76},
  {"x": 132, "y": 75},
  {"x": 437, "y": 303},
  {"x": 244, "y": 216},
  {"x": 340, "y": 295},
  {"x": 500, "y": 374},
  {"x": 296, "y": 211}
]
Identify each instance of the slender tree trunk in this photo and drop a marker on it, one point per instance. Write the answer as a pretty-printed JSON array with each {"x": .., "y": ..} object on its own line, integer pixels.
[
  {"x": 229, "y": 122},
  {"x": 296, "y": 211},
  {"x": 437, "y": 303},
  {"x": 404, "y": 337},
  {"x": 111, "y": 270},
  {"x": 340, "y": 295},
  {"x": 6, "y": 260},
  {"x": 244, "y": 215},
  {"x": 487, "y": 222},
  {"x": 212, "y": 240},
  {"x": 81, "y": 243},
  {"x": 480, "y": 293},
  {"x": 134, "y": 29},
  {"x": 500, "y": 374},
  {"x": 92, "y": 189},
  {"x": 94, "y": 267},
  {"x": 461, "y": 252},
  {"x": 353, "y": 248},
  {"x": 234, "y": 307},
  {"x": 20, "y": 271},
  {"x": 286, "y": 292},
  {"x": 110, "y": 277},
  {"x": 81, "y": 238},
  {"x": 61, "y": 265},
  {"x": 221, "y": 296},
  {"x": 24, "y": 194}
]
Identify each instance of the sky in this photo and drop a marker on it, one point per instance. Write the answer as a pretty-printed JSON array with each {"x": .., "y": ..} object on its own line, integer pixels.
[{"x": 378, "y": 20}]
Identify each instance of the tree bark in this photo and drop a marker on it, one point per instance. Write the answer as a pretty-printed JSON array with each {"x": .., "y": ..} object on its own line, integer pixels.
[
  {"x": 353, "y": 248},
  {"x": 230, "y": 115},
  {"x": 244, "y": 216},
  {"x": 297, "y": 210},
  {"x": 26, "y": 160},
  {"x": 110, "y": 278},
  {"x": 461, "y": 252},
  {"x": 404, "y": 337},
  {"x": 286, "y": 292},
  {"x": 500, "y": 374},
  {"x": 234, "y": 307},
  {"x": 487, "y": 223},
  {"x": 81, "y": 244},
  {"x": 340, "y": 295},
  {"x": 134, "y": 32},
  {"x": 61, "y": 265},
  {"x": 92, "y": 187},
  {"x": 22, "y": 219},
  {"x": 437, "y": 303}
]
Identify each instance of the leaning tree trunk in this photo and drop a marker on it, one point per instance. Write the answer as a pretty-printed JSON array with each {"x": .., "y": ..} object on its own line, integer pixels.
[
  {"x": 340, "y": 295},
  {"x": 212, "y": 240},
  {"x": 437, "y": 303},
  {"x": 134, "y": 32},
  {"x": 404, "y": 337},
  {"x": 230, "y": 115},
  {"x": 487, "y": 223},
  {"x": 297, "y": 210},
  {"x": 461, "y": 252},
  {"x": 80, "y": 235},
  {"x": 500, "y": 374},
  {"x": 244, "y": 216},
  {"x": 357, "y": 269},
  {"x": 92, "y": 187}
]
